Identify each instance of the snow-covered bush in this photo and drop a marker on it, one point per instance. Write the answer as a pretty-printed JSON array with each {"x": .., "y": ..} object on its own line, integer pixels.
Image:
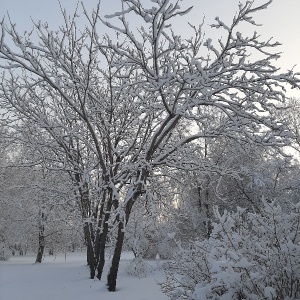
[
  {"x": 147, "y": 243},
  {"x": 138, "y": 267},
  {"x": 145, "y": 236},
  {"x": 248, "y": 256}
]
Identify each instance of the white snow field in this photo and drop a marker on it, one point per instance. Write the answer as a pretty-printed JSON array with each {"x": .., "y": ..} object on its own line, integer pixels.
[{"x": 57, "y": 278}]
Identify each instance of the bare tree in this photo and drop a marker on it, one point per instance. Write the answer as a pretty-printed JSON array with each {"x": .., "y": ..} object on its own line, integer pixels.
[{"x": 140, "y": 97}]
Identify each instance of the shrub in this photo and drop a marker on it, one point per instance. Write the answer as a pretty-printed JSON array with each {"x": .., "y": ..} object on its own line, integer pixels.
[
  {"x": 248, "y": 256},
  {"x": 138, "y": 267}
]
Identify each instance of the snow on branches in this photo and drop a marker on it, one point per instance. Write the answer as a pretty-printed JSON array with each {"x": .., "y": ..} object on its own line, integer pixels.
[
  {"x": 248, "y": 256},
  {"x": 112, "y": 111}
]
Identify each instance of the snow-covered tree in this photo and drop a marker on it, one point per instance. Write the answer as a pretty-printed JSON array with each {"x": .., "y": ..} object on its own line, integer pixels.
[
  {"x": 37, "y": 211},
  {"x": 290, "y": 115},
  {"x": 140, "y": 97}
]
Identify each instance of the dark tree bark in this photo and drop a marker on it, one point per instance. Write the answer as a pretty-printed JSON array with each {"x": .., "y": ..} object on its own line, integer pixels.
[
  {"x": 87, "y": 214},
  {"x": 101, "y": 239},
  {"x": 41, "y": 248},
  {"x": 207, "y": 205},
  {"x": 90, "y": 249},
  {"x": 113, "y": 272}
]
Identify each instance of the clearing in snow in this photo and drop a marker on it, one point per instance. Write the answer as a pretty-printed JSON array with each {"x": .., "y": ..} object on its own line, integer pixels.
[{"x": 67, "y": 278}]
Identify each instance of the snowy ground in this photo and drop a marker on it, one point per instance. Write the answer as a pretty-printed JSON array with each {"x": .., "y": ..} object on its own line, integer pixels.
[{"x": 58, "y": 278}]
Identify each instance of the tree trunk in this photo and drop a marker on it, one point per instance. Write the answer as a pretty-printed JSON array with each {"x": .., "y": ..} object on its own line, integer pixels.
[
  {"x": 206, "y": 198},
  {"x": 113, "y": 272},
  {"x": 100, "y": 254},
  {"x": 134, "y": 193},
  {"x": 88, "y": 230},
  {"x": 101, "y": 240},
  {"x": 90, "y": 249},
  {"x": 41, "y": 244}
]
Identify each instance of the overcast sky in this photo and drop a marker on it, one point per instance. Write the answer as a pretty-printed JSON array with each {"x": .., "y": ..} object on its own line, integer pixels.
[{"x": 280, "y": 21}]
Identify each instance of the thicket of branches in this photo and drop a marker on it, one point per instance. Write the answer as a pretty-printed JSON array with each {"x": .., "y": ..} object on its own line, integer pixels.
[
  {"x": 138, "y": 121},
  {"x": 248, "y": 256}
]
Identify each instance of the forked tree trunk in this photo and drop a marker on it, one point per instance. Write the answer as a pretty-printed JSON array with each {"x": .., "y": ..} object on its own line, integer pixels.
[{"x": 133, "y": 193}]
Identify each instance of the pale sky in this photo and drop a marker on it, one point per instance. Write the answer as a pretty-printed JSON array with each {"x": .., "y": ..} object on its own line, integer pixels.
[{"x": 280, "y": 21}]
